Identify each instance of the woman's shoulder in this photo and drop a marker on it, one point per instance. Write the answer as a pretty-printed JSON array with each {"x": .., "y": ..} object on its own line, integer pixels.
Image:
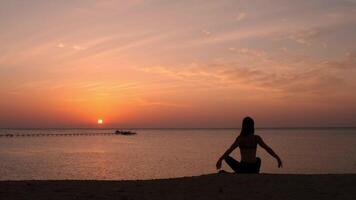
[{"x": 258, "y": 138}]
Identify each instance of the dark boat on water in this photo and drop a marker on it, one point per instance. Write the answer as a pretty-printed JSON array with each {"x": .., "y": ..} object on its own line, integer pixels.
[{"x": 119, "y": 132}]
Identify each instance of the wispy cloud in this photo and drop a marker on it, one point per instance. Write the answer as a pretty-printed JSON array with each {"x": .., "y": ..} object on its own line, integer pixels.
[
  {"x": 348, "y": 64},
  {"x": 313, "y": 76},
  {"x": 206, "y": 33},
  {"x": 304, "y": 37},
  {"x": 60, "y": 45},
  {"x": 145, "y": 102},
  {"x": 78, "y": 47},
  {"x": 73, "y": 47},
  {"x": 241, "y": 16},
  {"x": 249, "y": 52}
]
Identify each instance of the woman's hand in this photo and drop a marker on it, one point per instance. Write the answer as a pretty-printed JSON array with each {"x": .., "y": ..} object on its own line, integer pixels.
[
  {"x": 218, "y": 164},
  {"x": 280, "y": 164}
]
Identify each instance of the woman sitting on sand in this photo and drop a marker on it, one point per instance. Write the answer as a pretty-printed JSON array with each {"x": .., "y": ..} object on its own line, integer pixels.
[{"x": 247, "y": 142}]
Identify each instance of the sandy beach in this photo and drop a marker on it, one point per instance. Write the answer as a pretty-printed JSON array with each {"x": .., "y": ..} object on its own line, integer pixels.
[{"x": 212, "y": 186}]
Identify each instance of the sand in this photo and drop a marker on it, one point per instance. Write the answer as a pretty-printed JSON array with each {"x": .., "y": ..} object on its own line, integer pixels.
[{"x": 212, "y": 186}]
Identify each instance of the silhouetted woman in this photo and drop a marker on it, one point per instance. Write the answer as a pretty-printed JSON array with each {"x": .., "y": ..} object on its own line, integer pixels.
[{"x": 247, "y": 142}]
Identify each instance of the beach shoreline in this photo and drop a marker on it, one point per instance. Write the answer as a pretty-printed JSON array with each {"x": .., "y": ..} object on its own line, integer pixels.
[{"x": 211, "y": 186}]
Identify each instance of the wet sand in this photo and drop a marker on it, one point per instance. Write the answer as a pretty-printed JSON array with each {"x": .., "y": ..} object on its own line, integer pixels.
[{"x": 212, "y": 186}]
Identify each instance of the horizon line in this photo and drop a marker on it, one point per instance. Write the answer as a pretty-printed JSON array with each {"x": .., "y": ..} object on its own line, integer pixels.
[{"x": 197, "y": 128}]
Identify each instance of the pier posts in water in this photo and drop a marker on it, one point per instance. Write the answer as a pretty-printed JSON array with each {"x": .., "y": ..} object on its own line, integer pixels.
[{"x": 55, "y": 134}]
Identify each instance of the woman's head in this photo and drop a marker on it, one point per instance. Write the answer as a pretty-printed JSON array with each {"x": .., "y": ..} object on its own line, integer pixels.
[{"x": 248, "y": 126}]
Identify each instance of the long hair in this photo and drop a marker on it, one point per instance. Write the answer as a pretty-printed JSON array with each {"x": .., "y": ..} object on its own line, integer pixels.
[{"x": 248, "y": 126}]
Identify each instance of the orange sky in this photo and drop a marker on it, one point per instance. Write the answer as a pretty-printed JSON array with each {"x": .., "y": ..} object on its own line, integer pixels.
[{"x": 177, "y": 64}]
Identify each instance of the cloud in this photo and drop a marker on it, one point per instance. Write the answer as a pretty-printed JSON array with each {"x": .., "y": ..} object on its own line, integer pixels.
[
  {"x": 287, "y": 76},
  {"x": 348, "y": 63},
  {"x": 304, "y": 37},
  {"x": 119, "y": 43},
  {"x": 74, "y": 47},
  {"x": 251, "y": 52},
  {"x": 241, "y": 16},
  {"x": 145, "y": 102},
  {"x": 60, "y": 45},
  {"x": 206, "y": 33},
  {"x": 78, "y": 47},
  {"x": 284, "y": 49}
]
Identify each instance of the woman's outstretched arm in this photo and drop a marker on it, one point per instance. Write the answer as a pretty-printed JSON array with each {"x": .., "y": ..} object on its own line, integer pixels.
[
  {"x": 227, "y": 153},
  {"x": 269, "y": 150}
]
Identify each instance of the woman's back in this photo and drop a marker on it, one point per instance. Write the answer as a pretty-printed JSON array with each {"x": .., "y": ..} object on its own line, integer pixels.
[{"x": 248, "y": 148}]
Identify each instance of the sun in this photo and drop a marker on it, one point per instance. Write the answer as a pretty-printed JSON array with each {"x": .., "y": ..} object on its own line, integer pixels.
[{"x": 100, "y": 121}]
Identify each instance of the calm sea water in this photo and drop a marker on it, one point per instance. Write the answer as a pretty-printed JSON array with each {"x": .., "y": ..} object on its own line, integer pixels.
[{"x": 167, "y": 153}]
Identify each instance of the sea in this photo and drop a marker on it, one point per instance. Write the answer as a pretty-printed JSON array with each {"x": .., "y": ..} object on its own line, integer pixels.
[{"x": 97, "y": 154}]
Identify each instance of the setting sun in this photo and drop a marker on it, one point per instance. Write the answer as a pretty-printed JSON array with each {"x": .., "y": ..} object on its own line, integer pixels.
[{"x": 100, "y": 121}]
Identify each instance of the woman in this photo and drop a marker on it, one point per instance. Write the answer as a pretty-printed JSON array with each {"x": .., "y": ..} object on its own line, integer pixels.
[{"x": 247, "y": 142}]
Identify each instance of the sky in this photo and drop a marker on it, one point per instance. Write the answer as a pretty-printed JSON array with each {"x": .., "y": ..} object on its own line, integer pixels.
[{"x": 177, "y": 64}]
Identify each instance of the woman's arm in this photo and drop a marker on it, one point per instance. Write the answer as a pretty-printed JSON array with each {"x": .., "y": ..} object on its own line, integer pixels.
[
  {"x": 269, "y": 150},
  {"x": 227, "y": 153}
]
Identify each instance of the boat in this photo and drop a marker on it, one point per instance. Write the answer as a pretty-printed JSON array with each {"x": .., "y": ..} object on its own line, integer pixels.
[{"x": 120, "y": 132}]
